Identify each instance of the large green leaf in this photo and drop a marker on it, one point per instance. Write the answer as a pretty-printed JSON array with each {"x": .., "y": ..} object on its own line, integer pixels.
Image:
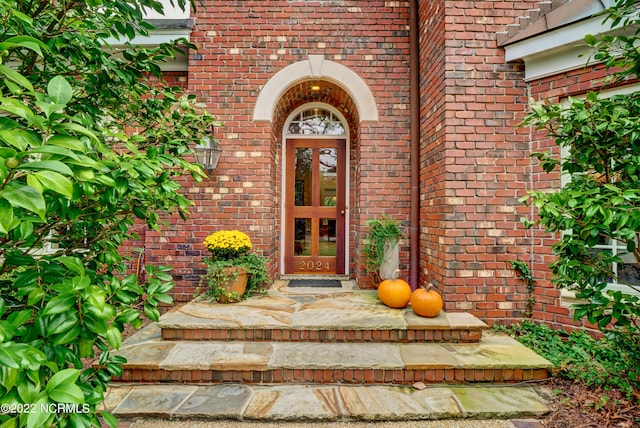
[
  {"x": 109, "y": 419},
  {"x": 16, "y": 77},
  {"x": 35, "y": 296},
  {"x": 114, "y": 337},
  {"x": 60, "y": 304},
  {"x": 40, "y": 419},
  {"x": 19, "y": 139},
  {"x": 67, "y": 336},
  {"x": 59, "y": 90},
  {"x": 52, "y": 150},
  {"x": 20, "y": 318},
  {"x": 6, "y": 216},
  {"x": 68, "y": 142},
  {"x": 62, "y": 388},
  {"x": 50, "y": 165},
  {"x": 8, "y": 358},
  {"x": 49, "y": 108},
  {"x": 18, "y": 108},
  {"x": 62, "y": 378},
  {"x": 74, "y": 127},
  {"x": 28, "y": 391},
  {"x": 8, "y": 377},
  {"x": 63, "y": 322},
  {"x": 27, "y": 42},
  {"x": 21, "y": 195},
  {"x": 6, "y": 331},
  {"x": 53, "y": 181},
  {"x": 74, "y": 264},
  {"x": 7, "y": 124}
]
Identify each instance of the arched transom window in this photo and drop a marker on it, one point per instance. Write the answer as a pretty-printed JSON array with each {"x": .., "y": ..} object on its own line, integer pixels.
[{"x": 316, "y": 121}]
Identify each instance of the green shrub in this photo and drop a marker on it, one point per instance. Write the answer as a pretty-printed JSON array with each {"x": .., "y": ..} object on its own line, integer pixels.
[
  {"x": 606, "y": 363},
  {"x": 91, "y": 151}
]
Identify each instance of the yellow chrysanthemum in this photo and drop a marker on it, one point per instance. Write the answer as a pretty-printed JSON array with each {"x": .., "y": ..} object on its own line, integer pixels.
[{"x": 227, "y": 244}]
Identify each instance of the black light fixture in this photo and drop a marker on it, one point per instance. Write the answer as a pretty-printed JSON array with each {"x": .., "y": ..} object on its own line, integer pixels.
[{"x": 209, "y": 154}]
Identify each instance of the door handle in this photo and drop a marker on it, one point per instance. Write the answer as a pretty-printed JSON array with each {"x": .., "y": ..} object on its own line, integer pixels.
[{"x": 342, "y": 212}]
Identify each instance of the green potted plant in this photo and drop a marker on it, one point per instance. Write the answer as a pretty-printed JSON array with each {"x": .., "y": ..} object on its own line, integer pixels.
[
  {"x": 382, "y": 248},
  {"x": 233, "y": 272}
]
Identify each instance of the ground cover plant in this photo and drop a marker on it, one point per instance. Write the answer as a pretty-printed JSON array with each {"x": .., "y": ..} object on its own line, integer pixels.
[
  {"x": 596, "y": 382},
  {"x": 92, "y": 149}
]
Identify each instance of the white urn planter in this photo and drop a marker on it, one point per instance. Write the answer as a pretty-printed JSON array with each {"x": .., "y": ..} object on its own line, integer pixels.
[{"x": 391, "y": 259}]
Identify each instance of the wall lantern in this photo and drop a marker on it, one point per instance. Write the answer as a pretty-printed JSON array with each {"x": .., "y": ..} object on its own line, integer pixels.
[{"x": 209, "y": 154}]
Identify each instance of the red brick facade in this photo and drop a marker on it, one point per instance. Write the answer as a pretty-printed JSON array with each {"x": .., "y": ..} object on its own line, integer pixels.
[
  {"x": 241, "y": 46},
  {"x": 474, "y": 158}
]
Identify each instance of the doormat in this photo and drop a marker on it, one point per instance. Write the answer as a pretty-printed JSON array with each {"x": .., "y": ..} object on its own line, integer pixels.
[{"x": 315, "y": 283}]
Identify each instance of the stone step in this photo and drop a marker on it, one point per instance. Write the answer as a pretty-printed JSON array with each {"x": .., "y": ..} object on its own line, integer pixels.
[
  {"x": 325, "y": 403},
  {"x": 496, "y": 358},
  {"x": 339, "y": 317}
]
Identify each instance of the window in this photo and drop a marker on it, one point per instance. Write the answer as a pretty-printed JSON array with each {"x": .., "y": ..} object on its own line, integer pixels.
[{"x": 316, "y": 121}]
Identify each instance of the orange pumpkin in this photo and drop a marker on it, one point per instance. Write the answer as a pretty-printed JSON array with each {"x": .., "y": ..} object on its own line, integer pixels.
[
  {"x": 395, "y": 292},
  {"x": 426, "y": 302}
]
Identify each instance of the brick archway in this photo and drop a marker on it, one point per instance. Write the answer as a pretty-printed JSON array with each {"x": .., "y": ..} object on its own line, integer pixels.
[{"x": 315, "y": 92}]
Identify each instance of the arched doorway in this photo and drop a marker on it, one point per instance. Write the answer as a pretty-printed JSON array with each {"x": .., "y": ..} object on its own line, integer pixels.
[
  {"x": 338, "y": 90},
  {"x": 315, "y": 195}
]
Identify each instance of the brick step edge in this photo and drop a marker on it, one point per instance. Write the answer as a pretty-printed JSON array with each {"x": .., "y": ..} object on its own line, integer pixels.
[
  {"x": 340, "y": 335},
  {"x": 336, "y": 376}
]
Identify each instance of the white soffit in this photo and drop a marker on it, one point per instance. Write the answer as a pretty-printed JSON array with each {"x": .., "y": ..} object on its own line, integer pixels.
[
  {"x": 170, "y": 12},
  {"x": 157, "y": 37},
  {"x": 558, "y": 50},
  {"x": 171, "y": 25}
]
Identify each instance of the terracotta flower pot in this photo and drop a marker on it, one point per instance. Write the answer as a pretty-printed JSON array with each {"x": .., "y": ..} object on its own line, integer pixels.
[{"x": 236, "y": 286}]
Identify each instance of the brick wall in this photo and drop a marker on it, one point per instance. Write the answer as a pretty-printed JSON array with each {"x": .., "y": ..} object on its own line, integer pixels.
[
  {"x": 473, "y": 158},
  {"x": 241, "y": 46}
]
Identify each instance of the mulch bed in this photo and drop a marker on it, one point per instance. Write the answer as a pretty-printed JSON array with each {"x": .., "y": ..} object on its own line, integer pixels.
[{"x": 578, "y": 406}]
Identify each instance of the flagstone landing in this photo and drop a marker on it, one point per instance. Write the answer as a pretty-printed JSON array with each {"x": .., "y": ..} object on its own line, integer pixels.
[{"x": 316, "y": 315}]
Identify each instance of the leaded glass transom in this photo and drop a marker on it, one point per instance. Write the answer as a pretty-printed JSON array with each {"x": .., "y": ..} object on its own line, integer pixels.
[{"x": 316, "y": 121}]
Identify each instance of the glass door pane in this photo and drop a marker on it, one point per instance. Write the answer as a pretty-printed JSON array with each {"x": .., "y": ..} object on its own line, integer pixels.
[
  {"x": 328, "y": 165},
  {"x": 304, "y": 177}
]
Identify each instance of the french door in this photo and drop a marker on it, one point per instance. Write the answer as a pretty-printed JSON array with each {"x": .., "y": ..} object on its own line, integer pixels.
[{"x": 315, "y": 206}]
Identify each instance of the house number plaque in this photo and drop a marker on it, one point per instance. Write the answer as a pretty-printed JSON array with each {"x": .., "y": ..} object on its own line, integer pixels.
[{"x": 314, "y": 266}]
